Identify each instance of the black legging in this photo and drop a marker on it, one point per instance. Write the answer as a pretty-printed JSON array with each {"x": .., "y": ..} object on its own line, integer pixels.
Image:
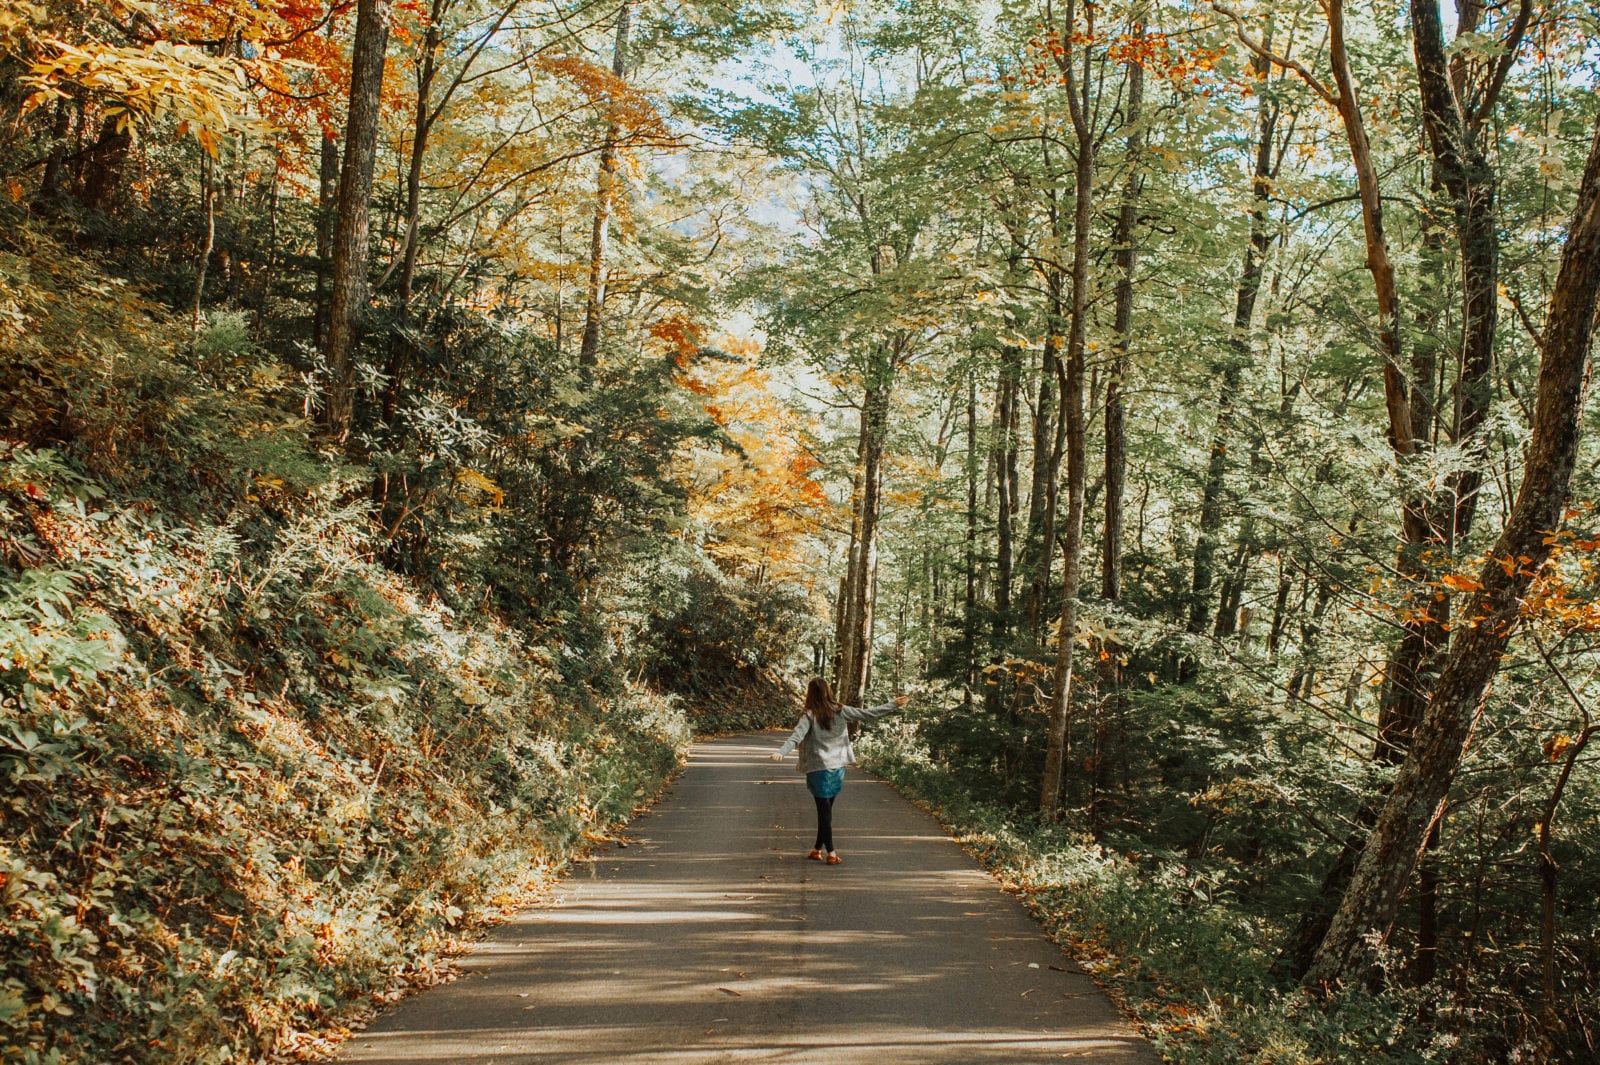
[{"x": 824, "y": 824}]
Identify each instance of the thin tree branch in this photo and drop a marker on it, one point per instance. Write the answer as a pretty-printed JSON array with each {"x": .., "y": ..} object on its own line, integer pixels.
[{"x": 1316, "y": 85}]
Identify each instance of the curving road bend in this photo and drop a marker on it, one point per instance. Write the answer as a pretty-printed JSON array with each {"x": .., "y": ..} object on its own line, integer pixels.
[{"x": 711, "y": 938}]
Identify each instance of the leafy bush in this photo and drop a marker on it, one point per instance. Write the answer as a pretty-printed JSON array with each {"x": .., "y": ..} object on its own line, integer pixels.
[
  {"x": 728, "y": 648},
  {"x": 1187, "y": 955},
  {"x": 249, "y": 773},
  {"x": 250, "y": 781}
]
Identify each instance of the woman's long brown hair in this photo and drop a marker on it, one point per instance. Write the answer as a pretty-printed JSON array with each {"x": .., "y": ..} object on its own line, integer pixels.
[{"x": 820, "y": 703}]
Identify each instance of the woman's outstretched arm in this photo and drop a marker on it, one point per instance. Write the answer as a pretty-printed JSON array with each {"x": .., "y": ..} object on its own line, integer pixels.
[
  {"x": 856, "y": 713},
  {"x": 794, "y": 739}
]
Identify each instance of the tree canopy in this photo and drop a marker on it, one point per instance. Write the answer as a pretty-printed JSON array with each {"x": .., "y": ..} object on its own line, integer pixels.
[{"x": 1184, "y": 400}]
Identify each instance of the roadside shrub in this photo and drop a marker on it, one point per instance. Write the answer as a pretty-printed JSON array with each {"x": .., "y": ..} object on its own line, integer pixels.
[
  {"x": 1188, "y": 957},
  {"x": 728, "y": 648}
]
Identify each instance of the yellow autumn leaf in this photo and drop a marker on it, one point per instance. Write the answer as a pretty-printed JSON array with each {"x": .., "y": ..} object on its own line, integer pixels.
[{"x": 472, "y": 480}]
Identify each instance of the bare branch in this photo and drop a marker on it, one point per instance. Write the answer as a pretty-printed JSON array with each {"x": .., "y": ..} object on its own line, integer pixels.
[{"x": 1283, "y": 62}]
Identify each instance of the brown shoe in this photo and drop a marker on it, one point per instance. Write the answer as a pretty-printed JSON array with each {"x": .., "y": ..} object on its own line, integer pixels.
[
  {"x": 834, "y": 859},
  {"x": 816, "y": 854}
]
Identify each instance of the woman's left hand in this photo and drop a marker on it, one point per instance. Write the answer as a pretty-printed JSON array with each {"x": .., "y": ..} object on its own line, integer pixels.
[{"x": 776, "y": 757}]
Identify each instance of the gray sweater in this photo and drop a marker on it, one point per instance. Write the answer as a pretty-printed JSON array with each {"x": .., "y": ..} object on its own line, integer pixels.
[{"x": 829, "y": 748}]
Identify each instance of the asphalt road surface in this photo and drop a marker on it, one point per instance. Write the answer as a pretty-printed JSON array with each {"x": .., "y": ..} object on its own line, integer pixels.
[{"x": 711, "y": 938}]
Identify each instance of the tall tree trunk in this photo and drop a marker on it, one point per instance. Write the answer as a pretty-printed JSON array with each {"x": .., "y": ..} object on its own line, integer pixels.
[
  {"x": 1044, "y": 492},
  {"x": 1244, "y": 304},
  {"x": 605, "y": 197},
  {"x": 1005, "y": 486},
  {"x": 1046, "y": 409},
  {"x": 1116, "y": 413},
  {"x": 841, "y": 614},
  {"x": 1112, "y": 699},
  {"x": 969, "y": 614},
  {"x": 327, "y": 212},
  {"x": 1043, "y": 540},
  {"x": 401, "y": 349},
  {"x": 857, "y": 648},
  {"x": 1462, "y": 169},
  {"x": 421, "y": 126},
  {"x": 1415, "y": 801},
  {"x": 844, "y": 620},
  {"x": 1280, "y": 604},
  {"x": 1432, "y": 529},
  {"x": 208, "y": 212},
  {"x": 269, "y": 270},
  {"x": 349, "y": 297},
  {"x": 1072, "y": 408},
  {"x": 55, "y": 164},
  {"x": 1049, "y": 435},
  {"x": 1233, "y": 584},
  {"x": 103, "y": 163}
]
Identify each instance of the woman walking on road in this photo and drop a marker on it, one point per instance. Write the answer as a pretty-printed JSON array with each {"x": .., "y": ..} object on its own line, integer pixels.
[{"x": 823, "y": 736}]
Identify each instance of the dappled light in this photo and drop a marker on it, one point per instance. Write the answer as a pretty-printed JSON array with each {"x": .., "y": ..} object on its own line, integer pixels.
[
  {"x": 711, "y": 938},
  {"x": 444, "y": 444}
]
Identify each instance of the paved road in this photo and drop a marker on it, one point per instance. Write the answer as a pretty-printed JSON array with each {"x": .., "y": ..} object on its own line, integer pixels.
[{"x": 711, "y": 938}]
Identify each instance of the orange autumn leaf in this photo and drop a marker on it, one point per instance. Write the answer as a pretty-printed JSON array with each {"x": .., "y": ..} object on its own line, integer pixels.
[{"x": 1460, "y": 582}]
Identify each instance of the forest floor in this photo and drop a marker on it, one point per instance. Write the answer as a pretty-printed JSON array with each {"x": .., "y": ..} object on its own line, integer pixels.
[{"x": 707, "y": 935}]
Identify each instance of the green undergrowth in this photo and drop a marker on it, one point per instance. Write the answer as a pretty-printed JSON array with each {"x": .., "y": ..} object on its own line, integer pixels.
[
  {"x": 724, "y": 646},
  {"x": 1191, "y": 965},
  {"x": 249, "y": 776},
  {"x": 244, "y": 788}
]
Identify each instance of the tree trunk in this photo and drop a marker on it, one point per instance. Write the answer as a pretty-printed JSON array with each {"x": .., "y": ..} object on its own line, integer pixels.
[
  {"x": 1005, "y": 486},
  {"x": 349, "y": 296},
  {"x": 1280, "y": 604},
  {"x": 969, "y": 615},
  {"x": 856, "y": 647},
  {"x": 103, "y": 164},
  {"x": 1045, "y": 412},
  {"x": 1461, "y": 168},
  {"x": 55, "y": 164},
  {"x": 841, "y": 614},
  {"x": 605, "y": 197},
  {"x": 1116, "y": 413},
  {"x": 269, "y": 269},
  {"x": 1043, "y": 540},
  {"x": 401, "y": 349},
  {"x": 1044, "y": 493},
  {"x": 1233, "y": 584},
  {"x": 1432, "y": 529},
  {"x": 1244, "y": 305},
  {"x": 1072, "y": 412},
  {"x": 422, "y": 125},
  {"x": 1372, "y": 900},
  {"x": 844, "y": 620},
  {"x": 208, "y": 211},
  {"x": 327, "y": 191}
]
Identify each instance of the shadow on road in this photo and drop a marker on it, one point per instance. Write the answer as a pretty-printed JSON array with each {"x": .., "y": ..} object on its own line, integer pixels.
[{"x": 711, "y": 938}]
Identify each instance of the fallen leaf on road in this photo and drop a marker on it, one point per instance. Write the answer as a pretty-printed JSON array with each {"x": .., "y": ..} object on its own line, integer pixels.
[{"x": 731, "y": 991}]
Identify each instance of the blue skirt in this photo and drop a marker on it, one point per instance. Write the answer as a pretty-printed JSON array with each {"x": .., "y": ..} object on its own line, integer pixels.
[{"x": 825, "y": 783}]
